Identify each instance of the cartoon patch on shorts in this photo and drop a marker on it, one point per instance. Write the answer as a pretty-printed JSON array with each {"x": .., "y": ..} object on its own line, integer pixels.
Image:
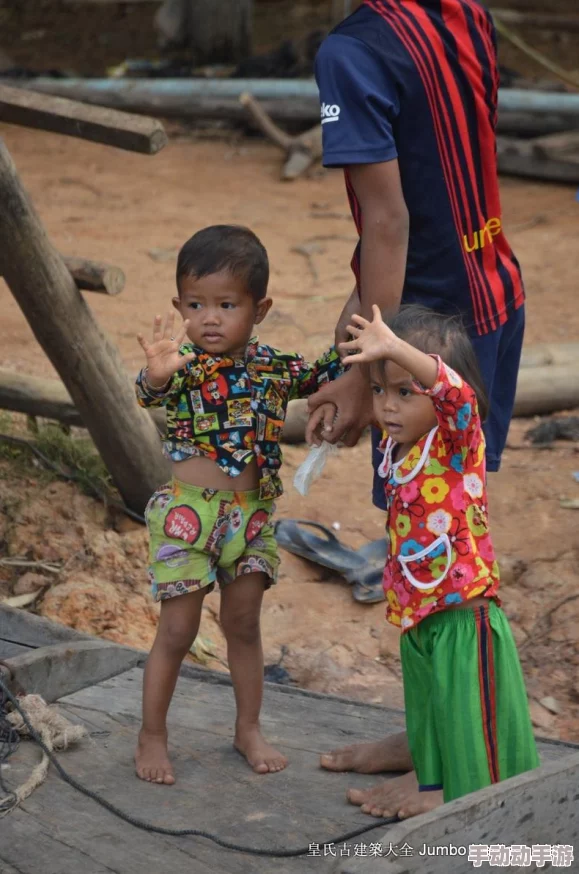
[
  {"x": 255, "y": 524},
  {"x": 171, "y": 555},
  {"x": 183, "y": 523}
]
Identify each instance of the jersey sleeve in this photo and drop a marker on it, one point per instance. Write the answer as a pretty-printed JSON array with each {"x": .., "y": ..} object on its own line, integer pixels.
[
  {"x": 308, "y": 378},
  {"x": 359, "y": 103},
  {"x": 455, "y": 404}
]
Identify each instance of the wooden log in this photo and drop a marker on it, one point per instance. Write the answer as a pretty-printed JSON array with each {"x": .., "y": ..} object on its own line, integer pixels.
[
  {"x": 71, "y": 118},
  {"x": 95, "y": 276},
  {"x": 547, "y": 389},
  {"x": 23, "y": 393},
  {"x": 545, "y": 354},
  {"x": 523, "y": 158},
  {"x": 88, "y": 362},
  {"x": 48, "y": 398}
]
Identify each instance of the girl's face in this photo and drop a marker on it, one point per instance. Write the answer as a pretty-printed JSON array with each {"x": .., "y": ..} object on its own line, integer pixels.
[{"x": 401, "y": 411}]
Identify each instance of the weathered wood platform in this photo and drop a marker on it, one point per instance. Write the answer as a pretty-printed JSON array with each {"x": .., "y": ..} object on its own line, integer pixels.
[{"x": 59, "y": 831}]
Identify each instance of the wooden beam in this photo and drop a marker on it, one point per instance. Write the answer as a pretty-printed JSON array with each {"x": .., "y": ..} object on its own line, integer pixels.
[
  {"x": 74, "y": 119},
  {"x": 88, "y": 362}
]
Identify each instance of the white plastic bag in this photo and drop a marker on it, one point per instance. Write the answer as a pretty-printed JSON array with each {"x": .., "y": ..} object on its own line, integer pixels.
[{"x": 313, "y": 466}]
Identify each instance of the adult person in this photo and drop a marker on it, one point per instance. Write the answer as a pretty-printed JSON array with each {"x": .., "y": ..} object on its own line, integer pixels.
[{"x": 408, "y": 92}]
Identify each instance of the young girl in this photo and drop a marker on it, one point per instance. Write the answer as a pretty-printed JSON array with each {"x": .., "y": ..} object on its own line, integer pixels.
[{"x": 466, "y": 706}]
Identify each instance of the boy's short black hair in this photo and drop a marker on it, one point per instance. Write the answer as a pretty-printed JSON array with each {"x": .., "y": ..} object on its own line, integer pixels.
[
  {"x": 445, "y": 335},
  {"x": 226, "y": 247}
]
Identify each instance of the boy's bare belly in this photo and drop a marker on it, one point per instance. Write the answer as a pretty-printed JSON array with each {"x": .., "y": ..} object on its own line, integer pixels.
[{"x": 203, "y": 472}]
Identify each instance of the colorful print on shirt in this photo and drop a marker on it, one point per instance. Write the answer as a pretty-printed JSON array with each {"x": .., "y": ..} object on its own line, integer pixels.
[
  {"x": 440, "y": 549},
  {"x": 232, "y": 410}
]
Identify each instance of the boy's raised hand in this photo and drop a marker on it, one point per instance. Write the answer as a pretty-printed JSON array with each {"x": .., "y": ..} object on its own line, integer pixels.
[
  {"x": 163, "y": 359},
  {"x": 372, "y": 340}
]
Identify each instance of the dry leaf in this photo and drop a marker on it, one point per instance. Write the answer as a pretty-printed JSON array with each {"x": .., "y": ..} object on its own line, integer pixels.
[{"x": 21, "y": 600}]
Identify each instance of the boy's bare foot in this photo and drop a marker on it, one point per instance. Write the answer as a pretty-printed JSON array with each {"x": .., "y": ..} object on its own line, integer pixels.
[
  {"x": 390, "y": 753},
  {"x": 263, "y": 758},
  {"x": 396, "y": 797},
  {"x": 152, "y": 759}
]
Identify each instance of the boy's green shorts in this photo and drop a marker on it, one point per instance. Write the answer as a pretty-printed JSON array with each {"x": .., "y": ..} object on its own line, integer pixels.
[
  {"x": 198, "y": 537},
  {"x": 467, "y": 713}
]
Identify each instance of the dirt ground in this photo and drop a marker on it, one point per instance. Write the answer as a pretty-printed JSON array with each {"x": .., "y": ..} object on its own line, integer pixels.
[{"x": 135, "y": 212}]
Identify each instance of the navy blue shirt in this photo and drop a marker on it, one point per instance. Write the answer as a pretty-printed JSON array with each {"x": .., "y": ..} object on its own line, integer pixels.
[{"x": 416, "y": 81}]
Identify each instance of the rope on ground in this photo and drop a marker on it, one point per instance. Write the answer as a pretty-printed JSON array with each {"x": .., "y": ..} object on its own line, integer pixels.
[
  {"x": 7, "y": 696},
  {"x": 35, "y": 717},
  {"x": 534, "y": 53}
]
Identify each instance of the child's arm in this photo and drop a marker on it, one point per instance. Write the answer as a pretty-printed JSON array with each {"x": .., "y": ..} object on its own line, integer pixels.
[
  {"x": 454, "y": 400},
  {"x": 160, "y": 378},
  {"x": 308, "y": 378},
  {"x": 374, "y": 341}
]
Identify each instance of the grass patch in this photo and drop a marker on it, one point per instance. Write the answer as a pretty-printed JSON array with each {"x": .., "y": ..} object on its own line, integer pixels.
[{"x": 73, "y": 454}]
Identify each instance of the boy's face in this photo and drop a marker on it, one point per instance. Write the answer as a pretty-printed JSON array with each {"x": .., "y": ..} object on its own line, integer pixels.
[
  {"x": 399, "y": 409},
  {"x": 221, "y": 312}
]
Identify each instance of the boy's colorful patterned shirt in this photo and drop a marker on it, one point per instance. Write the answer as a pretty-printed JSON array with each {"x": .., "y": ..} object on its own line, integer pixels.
[
  {"x": 440, "y": 551},
  {"x": 232, "y": 410}
]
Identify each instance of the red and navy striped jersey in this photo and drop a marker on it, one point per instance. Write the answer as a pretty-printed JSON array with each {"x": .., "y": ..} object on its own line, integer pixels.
[{"x": 417, "y": 80}]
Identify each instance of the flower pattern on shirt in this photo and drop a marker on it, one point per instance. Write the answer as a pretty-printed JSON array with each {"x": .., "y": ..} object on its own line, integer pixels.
[
  {"x": 440, "y": 553},
  {"x": 232, "y": 410}
]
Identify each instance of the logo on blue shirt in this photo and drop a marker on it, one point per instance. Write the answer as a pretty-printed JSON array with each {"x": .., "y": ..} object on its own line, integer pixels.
[{"x": 330, "y": 112}]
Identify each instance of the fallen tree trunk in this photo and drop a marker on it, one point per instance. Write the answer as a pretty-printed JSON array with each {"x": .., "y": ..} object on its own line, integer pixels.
[
  {"x": 49, "y": 399},
  {"x": 547, "y": 389},
  {"x": 76, "y": 119},
  {"x": 88, "y": 363}
]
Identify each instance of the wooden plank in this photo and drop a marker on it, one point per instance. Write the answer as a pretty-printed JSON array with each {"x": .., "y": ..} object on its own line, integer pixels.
[
  {"x": 215, "y": 789},
  {"x": 88, "y": 363},
  {"x": 10, "y": 648},
  {"x": 71, "y": 118},
  {"x": 34, "y": 631}
]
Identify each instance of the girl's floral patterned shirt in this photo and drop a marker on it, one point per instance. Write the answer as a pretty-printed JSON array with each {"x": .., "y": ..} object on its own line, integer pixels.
[
  {"x": 440, "y": 551},
  {"x": 232, "y": 410}
]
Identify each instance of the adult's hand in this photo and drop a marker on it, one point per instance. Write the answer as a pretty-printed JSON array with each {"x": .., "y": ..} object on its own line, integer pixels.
[{"x": 351, "y": 396}]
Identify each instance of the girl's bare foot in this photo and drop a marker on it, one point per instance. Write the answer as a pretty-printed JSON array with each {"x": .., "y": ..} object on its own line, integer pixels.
[
  {"x": 263, "y": 758},
  {"x": 152, "y": 759},
  {"x": 396, "y": 797}
]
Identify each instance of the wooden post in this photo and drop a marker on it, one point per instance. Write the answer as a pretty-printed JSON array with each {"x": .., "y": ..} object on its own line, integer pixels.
[
  {"x": 219, "y": 31},
  {"x": 89, "y": 364}
]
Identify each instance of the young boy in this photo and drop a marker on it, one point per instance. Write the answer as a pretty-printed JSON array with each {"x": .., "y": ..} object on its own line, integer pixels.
[{"x": 226, "y": 397}]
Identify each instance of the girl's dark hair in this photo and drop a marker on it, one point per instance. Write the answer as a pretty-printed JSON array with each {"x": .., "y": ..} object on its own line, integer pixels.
[
  {"x": 444, "y": 335},
  {"x": 226, "y": 247}
]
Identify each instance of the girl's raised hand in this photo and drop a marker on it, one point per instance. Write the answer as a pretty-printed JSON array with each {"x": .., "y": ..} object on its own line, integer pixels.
[
  {"x": 163, "y": 359},
  {"x": 372, "y": 340}
]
